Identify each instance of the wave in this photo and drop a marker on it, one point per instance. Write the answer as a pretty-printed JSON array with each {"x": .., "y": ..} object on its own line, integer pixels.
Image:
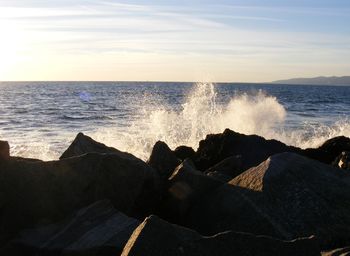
[
  {"x": 201, "y": 114},
  {"x": 87, "y": 117}
]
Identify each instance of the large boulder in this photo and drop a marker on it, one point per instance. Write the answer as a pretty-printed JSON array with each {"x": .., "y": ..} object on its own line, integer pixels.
[
  {"x": 4, "y": 150},
  {"x": 287, "y": 196},
  {"x": 185, "y": 186},
  {"x": 163, "y": 159},
  {"x": 157, "y": 237},
  {"x": 98, "y": 229},
  {"x": 44, "y": 192},
  {"x": 252, "y": 148},
  {"x": 83, "y": 144}
]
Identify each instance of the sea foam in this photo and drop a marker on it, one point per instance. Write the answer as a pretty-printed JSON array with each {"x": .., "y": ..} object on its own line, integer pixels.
[{"x": 201, "y": 112}]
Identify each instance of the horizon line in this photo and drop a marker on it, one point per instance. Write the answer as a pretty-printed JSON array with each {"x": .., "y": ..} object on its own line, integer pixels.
[{"x": 128, "y": 81}]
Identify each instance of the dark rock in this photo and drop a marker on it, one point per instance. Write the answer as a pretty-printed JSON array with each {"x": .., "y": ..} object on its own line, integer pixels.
[
  {"x": 337, "y": 252},
  {"x": 185, "y": 187},
  {"x": 45, "y": 192},
  {"x": 253, "y": 149},
  {"x": 17, "y": 158},
  {"x": 163, "y": 159},
  {"x": 343, "y": 160},
  {"x": 287, "y": 196},
  {"x": 157, "y": 237},
  {"x": 329, "y": 150},
  {"x": 83, "y": 144},
  {"x": 227, "y": 169},
  {"x": 183, "y": 152},
  {"x": 94, "y": 230},
  {"x": 4, "y": 150}
]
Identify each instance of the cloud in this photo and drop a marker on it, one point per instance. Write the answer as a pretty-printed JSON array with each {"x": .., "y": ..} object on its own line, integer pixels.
[{"x": 227, "y": 33}]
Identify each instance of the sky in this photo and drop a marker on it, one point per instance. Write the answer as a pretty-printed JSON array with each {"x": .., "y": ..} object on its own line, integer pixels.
[{"x": 182, "y": 40}]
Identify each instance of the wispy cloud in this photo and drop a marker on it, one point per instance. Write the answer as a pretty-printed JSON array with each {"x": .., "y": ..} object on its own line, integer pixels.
[{"x": 208, "y": 31}]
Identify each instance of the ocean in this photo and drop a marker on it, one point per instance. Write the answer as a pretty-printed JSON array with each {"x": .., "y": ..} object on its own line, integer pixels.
[{"x": 40, "y": 119}]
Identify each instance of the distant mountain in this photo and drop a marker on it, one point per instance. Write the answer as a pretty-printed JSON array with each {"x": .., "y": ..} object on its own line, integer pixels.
[{"x": 321, "y": 80}]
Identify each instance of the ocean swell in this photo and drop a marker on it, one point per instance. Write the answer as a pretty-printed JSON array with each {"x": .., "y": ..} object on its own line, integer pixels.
[
  {"x": 203, "y": 111},
  {"x": 202, "y": 114}
]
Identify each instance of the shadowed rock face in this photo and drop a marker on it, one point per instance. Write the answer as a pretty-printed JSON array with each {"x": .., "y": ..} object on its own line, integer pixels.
[
  {"x": 185, "y": 186},
  {"x": 83, "y": 144},
  {"x": 286, "y": 196},
  {"x": 157, "y": 237},
  {"x": 163, "y": 159},
  {"x": 183, "y": 152},
  {"x": 43, "y": 192},
  {"x": 227, "y": 169},
  {"x": 252, "y": 148},
  {"x": 94, "y": 230}
]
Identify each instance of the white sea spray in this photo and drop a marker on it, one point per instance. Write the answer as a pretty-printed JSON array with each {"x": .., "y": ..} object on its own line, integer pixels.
[{"x": 200, "y": 113}]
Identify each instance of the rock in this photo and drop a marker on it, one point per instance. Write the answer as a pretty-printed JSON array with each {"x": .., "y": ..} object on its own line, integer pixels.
[
  {"x": 183, "y": 152},
  {"x": 163, "y": 159},
  {"x": 343, "y": 160},
  {"x": 94, "y": 230},
  {"x": 4, "y": 150},
  {"x": 83, "y": 144},
  {"x": 227, "y": 169},
  {"x": 185, "y": 187},
  {"x": 157, "y": 237},
  {"x": 287, "y": 196},
  {"x": 253, "y": 149},
  {"x": 337, "y": 252},
  {"x": 16, "y": 158},
  {"x": 329, "y": 150},
  {"x": 44, "y": 192}
]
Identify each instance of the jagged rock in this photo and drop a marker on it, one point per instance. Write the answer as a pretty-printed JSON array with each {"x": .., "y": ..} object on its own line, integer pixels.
[
  {"x": 227, "y": 169},
  {"x": 94, "y": 230},
  {"x": 4, "y": 150},
  {"x": 329, "y": 150},
  {"x": 343, "y": 160},
  {"x": 45, "y": 192},
  {"x": 185, "y": 187},
  {"x": 183, "y": 152},
  {"x": 337, "y": 252},
  {"x": 157, "y": 237},
  {"x": 253, "y": 149},
  {"x": 83, "y": 144},
  {"x": 163, "y": 159},
  {"x": 286, "y": 196}
]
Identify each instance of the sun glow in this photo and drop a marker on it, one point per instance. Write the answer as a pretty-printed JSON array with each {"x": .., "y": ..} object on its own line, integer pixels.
[{"x": 11, "y": 41}]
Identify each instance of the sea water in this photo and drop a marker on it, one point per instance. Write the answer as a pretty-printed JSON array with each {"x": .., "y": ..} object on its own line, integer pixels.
[{"x": 40, "y": 119}]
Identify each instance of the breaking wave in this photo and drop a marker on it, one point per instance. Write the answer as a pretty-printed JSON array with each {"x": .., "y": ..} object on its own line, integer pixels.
[{"x": 202, "y": 114}]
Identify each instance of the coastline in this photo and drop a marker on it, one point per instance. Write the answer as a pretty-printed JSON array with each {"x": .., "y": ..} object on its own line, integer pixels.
[{"x": 262, "y": 187}]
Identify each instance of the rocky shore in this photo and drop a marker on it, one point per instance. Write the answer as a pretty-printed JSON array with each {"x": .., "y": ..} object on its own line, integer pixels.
[{"x": 235, "y": 195}]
